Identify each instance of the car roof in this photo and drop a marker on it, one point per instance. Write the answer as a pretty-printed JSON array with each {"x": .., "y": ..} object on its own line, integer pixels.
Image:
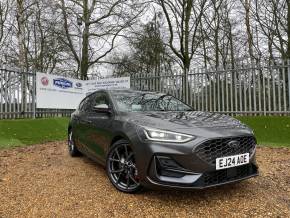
[
  {"x": 128, "y": 91},
  {"x": 123, "y": 91}
]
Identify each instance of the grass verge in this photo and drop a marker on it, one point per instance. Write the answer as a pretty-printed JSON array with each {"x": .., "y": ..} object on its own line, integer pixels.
[
  {"x": 23, "y": 132},
  {"x": 270, "y": 131}
]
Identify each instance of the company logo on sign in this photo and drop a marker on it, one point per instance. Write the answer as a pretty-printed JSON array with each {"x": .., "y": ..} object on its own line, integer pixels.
[
  {"x": 44, "y": 81},
  {"x": 79, "y": 85},
  {"x": 62, "y": 83}
]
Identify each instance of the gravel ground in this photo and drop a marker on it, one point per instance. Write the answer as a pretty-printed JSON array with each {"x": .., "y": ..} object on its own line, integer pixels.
[{"x": 43, "y": 181}]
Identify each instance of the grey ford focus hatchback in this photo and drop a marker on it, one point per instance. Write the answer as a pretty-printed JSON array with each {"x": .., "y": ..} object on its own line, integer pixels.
[{"x": 149, "y": 139}]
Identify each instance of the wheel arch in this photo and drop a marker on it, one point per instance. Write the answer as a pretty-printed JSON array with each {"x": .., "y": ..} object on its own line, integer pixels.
[{"x": 118, "y": 137}]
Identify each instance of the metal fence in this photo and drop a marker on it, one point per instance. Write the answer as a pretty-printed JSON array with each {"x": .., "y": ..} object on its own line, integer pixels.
[
  {"x": 18, "y": 97},
  {"x": 257, "y": 90}
]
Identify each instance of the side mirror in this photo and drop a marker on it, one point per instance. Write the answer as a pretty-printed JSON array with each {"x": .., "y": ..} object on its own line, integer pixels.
[{"x": 102, "y": 108}]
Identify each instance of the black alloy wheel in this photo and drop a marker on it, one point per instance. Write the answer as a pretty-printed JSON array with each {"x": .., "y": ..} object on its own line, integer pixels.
[{"x": 121, "y": 167}]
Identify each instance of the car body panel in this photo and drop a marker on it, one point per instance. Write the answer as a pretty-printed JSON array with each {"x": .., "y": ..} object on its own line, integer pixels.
[{"x": 95, "y": 133}]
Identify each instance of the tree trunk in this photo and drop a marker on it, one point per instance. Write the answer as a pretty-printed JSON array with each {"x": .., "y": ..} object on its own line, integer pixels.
[
  {"x": 85, "y": 54},
  {"x": 288, "y": 30},
  {"x": 216, "y": 38},
  {"x": 185, "y": 87},
  {"x": 22, "y": 51},
  {"x": 249, "y": 31},
  {"x": 85, "y": 46},
  {"x": 230, "y": 34},
  {"x": 186, "y": 55}
]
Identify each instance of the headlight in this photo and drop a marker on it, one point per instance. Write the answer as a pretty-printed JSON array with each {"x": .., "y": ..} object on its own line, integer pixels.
[{"x": 166, "y": 136}]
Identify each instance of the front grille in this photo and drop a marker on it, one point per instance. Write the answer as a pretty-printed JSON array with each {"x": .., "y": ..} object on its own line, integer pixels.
[
  {"x": 226, "y": 175},
  {"x": 216, "y": 148}
]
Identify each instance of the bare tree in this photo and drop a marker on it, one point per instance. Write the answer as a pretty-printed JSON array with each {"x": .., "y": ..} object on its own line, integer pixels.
[
  {"x": 148, "y": 53},
  {"x": 248, "y": 25},
  {"x": 45, "y": 47},
  {"x": 272, "y": 19},
  {"x": 21, "y": 34},
  {"x": 43, "y": 35},
  {"x": 22, "y": 49},
  {"x": 288, "y": 29},
  {"x": 183, "y": 20},
  {"x": 103, "y": 22},
  {"x": 4, "y": 7}
]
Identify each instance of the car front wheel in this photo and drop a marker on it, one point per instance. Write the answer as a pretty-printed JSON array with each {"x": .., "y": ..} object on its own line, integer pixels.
[{"x": 121, "y": 167}]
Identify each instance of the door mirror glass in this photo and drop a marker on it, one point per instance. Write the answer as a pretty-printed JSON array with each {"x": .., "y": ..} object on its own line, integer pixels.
[{"x": 102, "y": 108}]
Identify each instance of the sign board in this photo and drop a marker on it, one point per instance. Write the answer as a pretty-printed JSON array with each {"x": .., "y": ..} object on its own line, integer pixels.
[
  {"x": 110, "y": 83},
  {"x": 54, "y": 91}
]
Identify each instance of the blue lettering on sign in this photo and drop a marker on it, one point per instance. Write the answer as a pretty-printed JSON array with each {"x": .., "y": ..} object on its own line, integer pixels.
[{"x": 62, "y": 83}]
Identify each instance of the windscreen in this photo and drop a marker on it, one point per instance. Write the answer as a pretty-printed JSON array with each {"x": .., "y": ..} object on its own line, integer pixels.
[{"x": 138, "y": 101}]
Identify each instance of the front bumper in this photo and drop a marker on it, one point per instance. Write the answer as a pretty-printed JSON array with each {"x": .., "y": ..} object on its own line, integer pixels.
[
  {"x": 190, "y": 180},
  {"x": 165, "y": 165}
]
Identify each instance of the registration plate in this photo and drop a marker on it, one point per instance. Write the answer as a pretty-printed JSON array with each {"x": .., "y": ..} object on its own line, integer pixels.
[{"x": 232, "y": 161}]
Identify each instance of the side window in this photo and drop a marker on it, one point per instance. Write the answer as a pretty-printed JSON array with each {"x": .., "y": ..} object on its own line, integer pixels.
[
  {"x": 93, "y": 100},
  {"x": 99, "y": 98},
  {"x": 88, "y": 103},
  {"x": 83, "y": 104}
]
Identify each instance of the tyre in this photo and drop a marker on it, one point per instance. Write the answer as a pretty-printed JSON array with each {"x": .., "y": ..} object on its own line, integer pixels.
[
  {"x": 121, "y": 167},
  {"x": 72, "y": 149}
]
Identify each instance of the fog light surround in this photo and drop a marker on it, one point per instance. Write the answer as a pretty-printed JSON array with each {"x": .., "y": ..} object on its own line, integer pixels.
[{"x": 168, "y": 167}]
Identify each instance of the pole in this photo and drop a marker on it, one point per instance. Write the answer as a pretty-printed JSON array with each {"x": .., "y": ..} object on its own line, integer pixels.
[
  {"x": 34, "y": 95},
  {"x": 288, "y": 67},
  {"x": 80, "y": 22},
  {"x": 185, "y": 85},
  {"x": 80, "y": 45},
  {"x": 80, "y": 49}
]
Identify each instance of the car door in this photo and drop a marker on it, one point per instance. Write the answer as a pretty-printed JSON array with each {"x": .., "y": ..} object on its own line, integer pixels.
[
  {"x": 98, "y": 127},
  {"x": 80, "y": 124}
]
